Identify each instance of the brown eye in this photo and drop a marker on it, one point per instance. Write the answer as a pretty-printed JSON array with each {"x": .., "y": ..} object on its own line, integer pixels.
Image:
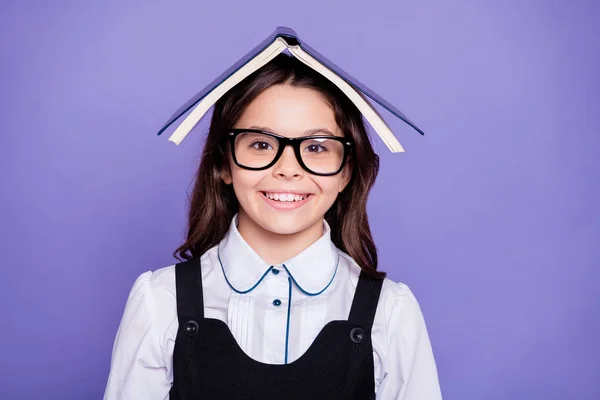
[
  {"x": 260, "y": 145},
  {"x": 315, "y": 148}
]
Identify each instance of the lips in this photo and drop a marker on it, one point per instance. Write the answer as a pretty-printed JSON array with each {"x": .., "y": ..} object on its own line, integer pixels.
[{"x": 286, "y": 200}]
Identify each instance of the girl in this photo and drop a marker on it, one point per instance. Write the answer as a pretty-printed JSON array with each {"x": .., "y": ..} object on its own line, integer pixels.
[{"x": 278, "y": 295}]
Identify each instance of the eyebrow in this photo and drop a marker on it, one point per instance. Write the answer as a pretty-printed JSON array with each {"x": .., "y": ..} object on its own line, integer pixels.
[{"x": 309, "y": 132}]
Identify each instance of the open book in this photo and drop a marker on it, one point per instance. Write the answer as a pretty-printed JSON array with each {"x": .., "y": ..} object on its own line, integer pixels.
[{"x": 285, "y": 38}]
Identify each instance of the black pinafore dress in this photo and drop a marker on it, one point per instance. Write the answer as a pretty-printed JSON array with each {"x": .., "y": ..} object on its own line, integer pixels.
[{"x": 209, "y": 364}]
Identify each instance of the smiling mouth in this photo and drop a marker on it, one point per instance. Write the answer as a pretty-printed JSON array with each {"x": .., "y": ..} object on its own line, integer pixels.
[{"x": 286, "y": 197}]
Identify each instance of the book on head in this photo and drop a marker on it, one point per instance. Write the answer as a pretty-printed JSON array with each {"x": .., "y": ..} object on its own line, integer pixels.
[{"x": 286, "y": 38}]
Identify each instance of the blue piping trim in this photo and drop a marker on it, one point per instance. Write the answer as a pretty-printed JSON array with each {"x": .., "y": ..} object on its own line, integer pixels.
[
  {"x": 229, "y": 283},
  {"x": 317, "y": 293},
  {"x": 287, "y": 329}
]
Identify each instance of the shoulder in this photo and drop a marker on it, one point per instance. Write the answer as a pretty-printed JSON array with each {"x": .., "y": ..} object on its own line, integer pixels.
[
  {"x": 159, "y": 288},
  {"x": 397, "y": 302},
  {"x": 161, "y": 281},
  {"x": 152, "y": 298},
  {"x": 391, "y": 291}
]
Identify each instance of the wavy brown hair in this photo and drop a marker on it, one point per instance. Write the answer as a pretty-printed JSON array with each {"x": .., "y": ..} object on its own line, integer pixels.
[{"x": 213, "y": 203}]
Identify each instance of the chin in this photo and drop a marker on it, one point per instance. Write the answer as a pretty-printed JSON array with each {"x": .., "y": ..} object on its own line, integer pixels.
[{"x": 285, "y": 225}]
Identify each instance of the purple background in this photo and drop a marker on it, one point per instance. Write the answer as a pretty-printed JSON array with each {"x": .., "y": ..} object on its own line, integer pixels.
[{"x": 491, "y": 218}]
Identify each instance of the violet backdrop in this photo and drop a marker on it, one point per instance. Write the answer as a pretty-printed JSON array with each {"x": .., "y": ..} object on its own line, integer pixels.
[{"x": 491, "y": 218}]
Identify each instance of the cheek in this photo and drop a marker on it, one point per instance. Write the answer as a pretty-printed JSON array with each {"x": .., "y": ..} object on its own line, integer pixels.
[
  {"x": 330, "y": 186},
  {"x": 245, "y": 181}
]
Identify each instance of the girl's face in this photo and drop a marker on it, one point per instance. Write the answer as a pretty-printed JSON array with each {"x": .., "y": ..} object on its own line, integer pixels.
[{"x": 287, "y": 111}]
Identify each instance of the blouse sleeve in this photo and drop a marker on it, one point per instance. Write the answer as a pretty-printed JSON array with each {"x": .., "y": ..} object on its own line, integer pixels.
[
  {"x": 411, "y": 372},
  {"x": 137, "y": 369}
]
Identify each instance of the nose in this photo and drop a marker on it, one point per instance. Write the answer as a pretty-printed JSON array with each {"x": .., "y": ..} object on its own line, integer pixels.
[{"x": 287, "y": 166}]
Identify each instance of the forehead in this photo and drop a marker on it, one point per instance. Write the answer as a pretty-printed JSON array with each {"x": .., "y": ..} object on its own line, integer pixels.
[{"x": 289, "y": 111}]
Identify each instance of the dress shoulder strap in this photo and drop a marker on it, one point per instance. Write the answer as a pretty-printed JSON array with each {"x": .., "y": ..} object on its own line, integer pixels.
[
  {"x": 188, "y": 284},
  {"x": 366, "y": 298}
]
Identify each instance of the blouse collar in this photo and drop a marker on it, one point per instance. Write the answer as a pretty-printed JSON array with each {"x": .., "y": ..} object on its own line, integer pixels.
[{"x": 312, "y": 270}]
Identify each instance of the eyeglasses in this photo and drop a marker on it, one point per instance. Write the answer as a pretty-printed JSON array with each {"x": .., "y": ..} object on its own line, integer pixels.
[{"x": 257, "y": 150}]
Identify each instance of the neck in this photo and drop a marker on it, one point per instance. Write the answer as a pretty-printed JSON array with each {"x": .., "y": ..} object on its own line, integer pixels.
[{"x": 275, "y": 248}]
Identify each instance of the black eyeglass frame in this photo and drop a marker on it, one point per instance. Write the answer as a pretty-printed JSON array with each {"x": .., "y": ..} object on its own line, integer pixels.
[{"x": 295, "y": 143}]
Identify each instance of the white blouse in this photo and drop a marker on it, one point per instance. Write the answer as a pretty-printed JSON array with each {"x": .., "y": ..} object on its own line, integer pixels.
[{"x": 252, "y": 298}]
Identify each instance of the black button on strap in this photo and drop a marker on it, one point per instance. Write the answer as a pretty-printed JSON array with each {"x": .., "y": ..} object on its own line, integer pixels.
[
  {"x": 191, "y": 327},
  {"x": 357, "y": 335}
]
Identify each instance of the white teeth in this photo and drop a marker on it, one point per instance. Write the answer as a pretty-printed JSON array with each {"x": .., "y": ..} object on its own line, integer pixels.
[{"x": 285, "y": 196}]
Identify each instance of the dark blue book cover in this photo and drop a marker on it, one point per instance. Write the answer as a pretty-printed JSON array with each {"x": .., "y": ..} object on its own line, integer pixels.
[{"x": 290, "y": 36}]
